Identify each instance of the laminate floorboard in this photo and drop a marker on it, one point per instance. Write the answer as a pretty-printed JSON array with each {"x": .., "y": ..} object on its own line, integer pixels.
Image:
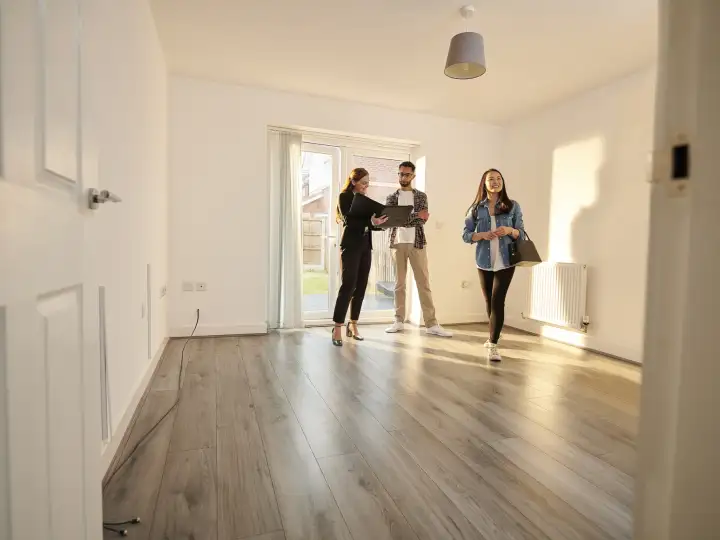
[
  {"x": 166, "y": 376},
  {"x": 307, "y": 507},
  {"x": 187, "y": 503},
  {"x": 602, "y": 509},
  {"x": 342, "y": 371},
  {"x": 278, "y": 535},
  {"x": 428, "y": 510},
  {"x": 502, "y": 500},
  {"x": 156, "y": 404},
  {"x": 368, "y": 509},
  {"x": 589, "y": 467},
  {"x": 323, "y": 431},
  {"x": 246, "y": 496},
  {"x": 195, "y": 425},
  {"x": 405, "y": 436},
  {"x": 593, "y": 435},
  {"x": 133, "y": 491},
  {"x": 624, "y": 423}
]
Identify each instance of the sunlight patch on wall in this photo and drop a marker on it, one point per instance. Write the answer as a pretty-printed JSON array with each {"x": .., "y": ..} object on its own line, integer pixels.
[
  {"x": 575, "y": 171},
  {"x": 562, "y": 335}
]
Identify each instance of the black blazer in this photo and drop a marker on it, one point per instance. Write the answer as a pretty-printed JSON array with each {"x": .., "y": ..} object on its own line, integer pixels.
[{"x": 354, "y": 228}]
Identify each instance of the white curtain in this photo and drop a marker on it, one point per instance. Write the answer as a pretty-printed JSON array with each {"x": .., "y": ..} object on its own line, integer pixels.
[{"x": 286, "y": 258}]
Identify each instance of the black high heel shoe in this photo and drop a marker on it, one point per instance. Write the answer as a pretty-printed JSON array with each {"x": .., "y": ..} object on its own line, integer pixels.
[
  {"x": 352, "y": 334},
  {"x": 337, "y": 342}
]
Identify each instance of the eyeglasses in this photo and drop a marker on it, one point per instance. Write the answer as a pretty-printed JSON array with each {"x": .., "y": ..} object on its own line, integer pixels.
[{"x": 405, "y": 174}]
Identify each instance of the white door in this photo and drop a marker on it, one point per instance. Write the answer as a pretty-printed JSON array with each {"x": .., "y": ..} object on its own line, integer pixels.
[
  {"x": 321, "y": 258},
  {"x": 49, "y": 393}
]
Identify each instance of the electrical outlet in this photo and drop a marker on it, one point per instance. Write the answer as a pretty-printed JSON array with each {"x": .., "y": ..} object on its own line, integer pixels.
[
  {"x": 163, "y": 291},
  {"x": 201, "y": 286},
  {"x": 188, "y": 286}
]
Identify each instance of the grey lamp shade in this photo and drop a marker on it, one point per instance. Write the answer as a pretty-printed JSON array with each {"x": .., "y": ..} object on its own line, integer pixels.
[{"x": 466, "y": 57}]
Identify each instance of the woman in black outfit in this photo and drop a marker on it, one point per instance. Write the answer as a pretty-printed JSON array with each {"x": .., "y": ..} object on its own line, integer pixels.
[{"x": 355, "y": 256}]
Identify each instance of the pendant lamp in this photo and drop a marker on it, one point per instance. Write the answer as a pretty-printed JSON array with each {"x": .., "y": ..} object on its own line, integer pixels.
[{"x": 466, "y": 57}]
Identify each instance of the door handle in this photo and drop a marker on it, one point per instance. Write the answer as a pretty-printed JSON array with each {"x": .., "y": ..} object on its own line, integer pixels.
[{"x": 96, "y": 198}]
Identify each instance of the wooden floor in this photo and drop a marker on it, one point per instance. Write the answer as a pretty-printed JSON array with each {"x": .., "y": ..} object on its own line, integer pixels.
[{"x": 398, "y": 437}]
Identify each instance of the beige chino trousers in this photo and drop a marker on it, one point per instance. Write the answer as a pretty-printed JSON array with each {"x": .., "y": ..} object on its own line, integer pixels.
[{"x": 402, "y": 254}]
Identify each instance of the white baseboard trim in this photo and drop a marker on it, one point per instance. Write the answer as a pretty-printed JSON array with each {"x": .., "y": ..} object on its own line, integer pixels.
[
  {"x": 110, "y": 449},
  {"x": 220, "y": 330},
  {"x": 576, "y": 339},
  {"x": 314, "y": 323},
  {"x": 455, "y": 318}
]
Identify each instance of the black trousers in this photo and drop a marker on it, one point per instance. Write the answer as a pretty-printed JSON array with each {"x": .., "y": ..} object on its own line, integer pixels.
[
  {"x": 356, "y": 262},
  {"x": 495, "y": 286}
]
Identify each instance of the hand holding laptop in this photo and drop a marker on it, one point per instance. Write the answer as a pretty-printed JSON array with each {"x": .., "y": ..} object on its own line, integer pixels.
[{"x": 380, "y": 215}]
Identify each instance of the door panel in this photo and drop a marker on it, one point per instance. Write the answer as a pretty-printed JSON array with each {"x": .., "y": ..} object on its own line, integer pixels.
[
  {"x": 60, "y": 82},
  {"x": 320, "y": 177},
  {"x": 50, "y": 428},
  {"x": 61, "y": 319}
]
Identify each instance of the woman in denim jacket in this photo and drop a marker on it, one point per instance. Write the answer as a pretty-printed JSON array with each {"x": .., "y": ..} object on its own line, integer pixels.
[{"x": 493, "y": 222}]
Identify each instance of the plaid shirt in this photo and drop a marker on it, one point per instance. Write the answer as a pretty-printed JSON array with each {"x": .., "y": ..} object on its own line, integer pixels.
[{"x": 420, "y": 202}]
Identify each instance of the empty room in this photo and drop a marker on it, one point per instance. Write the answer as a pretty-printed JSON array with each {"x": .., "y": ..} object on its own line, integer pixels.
[{"x": 356, "y": 270}]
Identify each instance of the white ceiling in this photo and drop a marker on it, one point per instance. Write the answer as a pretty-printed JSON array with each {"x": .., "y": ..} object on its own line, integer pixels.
[{"x": 392, "y": 52}]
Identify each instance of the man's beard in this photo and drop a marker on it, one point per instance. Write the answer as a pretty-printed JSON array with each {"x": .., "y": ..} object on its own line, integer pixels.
[{"x": 405, "y": 183}]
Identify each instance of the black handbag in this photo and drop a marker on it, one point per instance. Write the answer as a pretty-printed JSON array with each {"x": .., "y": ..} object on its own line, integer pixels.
[{"x": 523, "y": 251}]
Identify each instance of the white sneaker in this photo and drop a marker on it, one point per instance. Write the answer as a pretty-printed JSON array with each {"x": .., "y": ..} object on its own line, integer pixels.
[
  {"x": 395, "y": 328},
  {"x": 492, "y": 353},
  {"x": 438, "y": 330},
  {"x": 487, "y": 343}
]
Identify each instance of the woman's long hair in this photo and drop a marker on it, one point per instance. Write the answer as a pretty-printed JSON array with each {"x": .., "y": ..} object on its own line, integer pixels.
[
  {"x": 506, "y": 203},
  {"x": 355, "y": 176}
]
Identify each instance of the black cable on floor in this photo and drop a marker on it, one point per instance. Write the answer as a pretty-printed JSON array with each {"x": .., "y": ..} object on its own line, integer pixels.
[{"x": 133, "y": 521}]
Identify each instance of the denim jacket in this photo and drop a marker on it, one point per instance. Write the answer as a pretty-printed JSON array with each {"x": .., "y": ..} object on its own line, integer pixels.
[{"x": 481, "y": 223}]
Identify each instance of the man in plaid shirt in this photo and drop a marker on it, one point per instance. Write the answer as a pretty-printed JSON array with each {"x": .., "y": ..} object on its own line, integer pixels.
[{"x": 408, "y": 245}]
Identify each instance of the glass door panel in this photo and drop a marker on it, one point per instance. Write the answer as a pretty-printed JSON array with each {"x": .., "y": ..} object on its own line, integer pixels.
[{"x": 320, "y": 179}]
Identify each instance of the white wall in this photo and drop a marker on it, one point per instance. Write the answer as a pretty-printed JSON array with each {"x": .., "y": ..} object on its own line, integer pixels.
[
  {"x": 131, "y": 102},
  {"x": 218, "y": 201},
  {"x": 580, "y": 172}
]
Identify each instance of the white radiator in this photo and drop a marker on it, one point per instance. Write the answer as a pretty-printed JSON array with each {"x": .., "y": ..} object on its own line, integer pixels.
[{"x": 558, "y": 295}]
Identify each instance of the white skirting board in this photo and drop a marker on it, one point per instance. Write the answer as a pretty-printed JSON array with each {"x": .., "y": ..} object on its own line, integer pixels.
[
  {"x": 110, "y": 449},
  {"x": 576, "y": 339},
  {"x": 212, "y": 330},
  {"x": 462, "y": 318}
]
